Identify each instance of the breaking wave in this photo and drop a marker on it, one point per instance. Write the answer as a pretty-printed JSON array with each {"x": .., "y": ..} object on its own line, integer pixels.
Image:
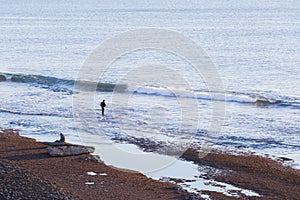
[
  {"x": 61, "y": 85},
  {"x": 256, "y": 99},
  {"x": 35, "y": 113},
  {"x": 67, "y": 86}
]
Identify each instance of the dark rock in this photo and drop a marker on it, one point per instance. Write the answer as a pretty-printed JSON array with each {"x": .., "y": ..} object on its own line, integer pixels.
[
  {"x": 178, "y": 189},
  {"x": 146, "y": 144},
  {"x": 91, "y": 158},
  {"x": 192, "y": 196},
  {"x": 2, "y": 77},
  {"x": 23, "y": 79},
  {"x": 241, "y": 146},
  {"x": 285, "y": 159}
]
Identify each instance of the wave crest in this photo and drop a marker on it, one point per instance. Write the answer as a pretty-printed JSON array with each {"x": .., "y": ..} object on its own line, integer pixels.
[
  {"x": 67, "y": 86},
  {"x": 62, "y": 85},
  {"x": 244, "y": 98}
]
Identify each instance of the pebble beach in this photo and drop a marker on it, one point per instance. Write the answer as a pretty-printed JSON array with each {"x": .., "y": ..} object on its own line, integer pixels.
[{"x": 28, "y": 172}]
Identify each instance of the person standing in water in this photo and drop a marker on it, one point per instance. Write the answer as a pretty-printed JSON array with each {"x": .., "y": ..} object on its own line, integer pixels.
[{"x": 103, "y": 105}]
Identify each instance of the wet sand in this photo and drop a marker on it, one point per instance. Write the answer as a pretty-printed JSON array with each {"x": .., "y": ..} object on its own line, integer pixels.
[
  {"x": 267, "y": 177},
  {"x": 28, "y": 171}
]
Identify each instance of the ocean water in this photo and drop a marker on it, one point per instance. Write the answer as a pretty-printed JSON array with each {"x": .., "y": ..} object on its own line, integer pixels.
[{"x": 254, "y": 46}]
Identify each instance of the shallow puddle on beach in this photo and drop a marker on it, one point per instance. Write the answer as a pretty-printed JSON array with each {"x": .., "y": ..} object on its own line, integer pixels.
[
  {"x": 190, "y": 179},
  {"x": 162, "y": 167}
]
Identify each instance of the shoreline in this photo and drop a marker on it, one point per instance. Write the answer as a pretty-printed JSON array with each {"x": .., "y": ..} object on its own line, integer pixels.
[
  {"x": 79, "y": 179},
  {"x": 269, "y": 178},
  {"x": 71, "y": 177},
  {"x": 256, "y": 176}
]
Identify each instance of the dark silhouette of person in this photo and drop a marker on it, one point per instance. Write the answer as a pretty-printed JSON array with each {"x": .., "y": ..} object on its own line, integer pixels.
[
  {"x": 62, "y": 138},
  {"x": 103, "y": 105}
]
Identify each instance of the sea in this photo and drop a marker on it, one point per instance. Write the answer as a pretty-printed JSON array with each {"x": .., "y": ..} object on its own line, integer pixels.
[{"x": 153, "y": 93}]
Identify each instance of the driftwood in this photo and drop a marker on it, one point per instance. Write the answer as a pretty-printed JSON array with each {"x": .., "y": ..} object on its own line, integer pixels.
[
  {"x": 57, "y": 149},
  {"x": 59, "y": 144}
]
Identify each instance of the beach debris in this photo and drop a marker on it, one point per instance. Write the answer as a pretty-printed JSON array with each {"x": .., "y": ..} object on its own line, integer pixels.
[
  {"x": 103, "y": 174},
  {"x": 89, "y": 183},
  {"x": 92, "y": 173},
  {"x": 69, "y": 150}
]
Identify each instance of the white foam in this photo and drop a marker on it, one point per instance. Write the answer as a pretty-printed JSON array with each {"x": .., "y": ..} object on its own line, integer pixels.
[
  {"x": 151, "y": 90},
  {"x": 208, "y": 95},
  {"x": 242, "y": 98}
]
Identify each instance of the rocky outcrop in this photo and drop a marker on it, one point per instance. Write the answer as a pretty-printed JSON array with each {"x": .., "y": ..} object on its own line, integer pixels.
[
  {"x": 2, "y": 77},
  {"x": 62, "y": 149}
]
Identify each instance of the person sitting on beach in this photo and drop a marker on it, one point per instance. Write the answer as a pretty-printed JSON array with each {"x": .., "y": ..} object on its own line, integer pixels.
[
  {"x": 62, "y": 138},
  {"x": 103, "y": 105}
]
